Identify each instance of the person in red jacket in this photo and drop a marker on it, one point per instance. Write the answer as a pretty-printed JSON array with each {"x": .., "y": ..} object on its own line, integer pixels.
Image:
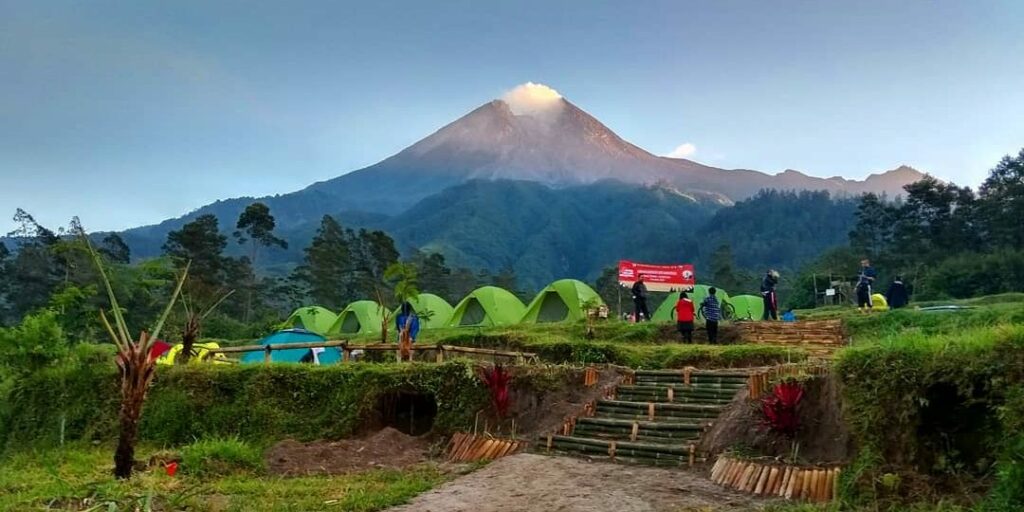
[{"x": 684, "y": 317}]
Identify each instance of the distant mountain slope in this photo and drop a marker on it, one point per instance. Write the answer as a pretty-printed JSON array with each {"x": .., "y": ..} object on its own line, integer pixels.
[
  {"x": 553, "y": 143},
  {"x": 548, "y": 233}
]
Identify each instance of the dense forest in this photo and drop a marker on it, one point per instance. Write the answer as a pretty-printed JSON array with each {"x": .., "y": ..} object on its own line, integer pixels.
[{"x": 945, "y": 240}]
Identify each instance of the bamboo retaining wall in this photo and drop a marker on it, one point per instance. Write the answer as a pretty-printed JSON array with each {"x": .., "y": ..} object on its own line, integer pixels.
[
  {"x": 465, "y": 447},
  {"x": 814, "y": 484}
]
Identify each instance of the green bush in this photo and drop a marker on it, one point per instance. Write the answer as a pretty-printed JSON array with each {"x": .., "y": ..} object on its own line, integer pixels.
[
  {"x": 972, "y": 275},
  {"x": 937, "y": 406},
  {"x": 256, "y": 403},
  {"x": 220, "y": 456},
  {"x": 38, "y": 342}
]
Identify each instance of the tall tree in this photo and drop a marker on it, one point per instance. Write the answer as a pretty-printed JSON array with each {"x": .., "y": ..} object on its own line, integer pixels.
[
  {"x": 36, "y": 270},
  {"x": 324, "y": 273},
  {"x": 434, "y": 274},
  {"x": 1001, "y": 202},
  {"x": 372, "y": 252},
  {"x": 115, "y": 249},
  {"x": 874, "y": 229},
  {"x": 256, "y": 227},
  {"x": 201, "y": 243}
]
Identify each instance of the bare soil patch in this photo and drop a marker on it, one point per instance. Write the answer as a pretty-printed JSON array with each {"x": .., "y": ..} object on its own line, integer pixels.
[
  {"x": 387, "y": 448},
  {"x": 530, "y": 482},
  {"x": 823, "y": 437}
]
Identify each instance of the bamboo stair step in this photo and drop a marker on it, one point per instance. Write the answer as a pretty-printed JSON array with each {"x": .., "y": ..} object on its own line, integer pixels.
[
  {"x": 647, "y": 425},
  {"x": 624, "y": 445},
  {"x": 662, "y": 407}
]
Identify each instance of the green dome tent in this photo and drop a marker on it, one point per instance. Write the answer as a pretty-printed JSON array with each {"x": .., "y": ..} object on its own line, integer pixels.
[
  {"x": 488, "y": 306},
  {"x": 441, "y": 311},
  {"x": 666, "y": 312},
  {"x": 561, "y": 301},
  {"x": 311, "y": 318},
  {"x": 748, "y": 307},
  {"x": 359, "y": 317}
]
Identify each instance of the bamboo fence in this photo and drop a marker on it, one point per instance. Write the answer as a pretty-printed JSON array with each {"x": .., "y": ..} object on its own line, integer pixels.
[
  {"x": 347, "y": 348},
  {"x": 814, "y": 484}
]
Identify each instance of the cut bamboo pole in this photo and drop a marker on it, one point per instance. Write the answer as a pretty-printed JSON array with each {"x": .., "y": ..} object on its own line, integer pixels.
[
  {"x": 742, "y": 471},
  {"x": 792, "y": 490},
  {"x": 693, "y": 453},
  {"x": 808, "y": 484},
  {"x": 773, "y": 481},
  {"x": 723, "y": 474},
  {"x": 650, "y": 411},
  {"x": 826, "y": 492},
  {"x": 755, "y": 477},
  {"x": 763, "y": 480},
  {"x": 549, "y": 443},
  {"x": 787, "y": 475},
  {"x": 835, "y": 484}
]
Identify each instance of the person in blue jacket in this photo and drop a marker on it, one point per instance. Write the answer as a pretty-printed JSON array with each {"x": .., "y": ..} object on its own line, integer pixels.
[{"x": 406, "y": 313}]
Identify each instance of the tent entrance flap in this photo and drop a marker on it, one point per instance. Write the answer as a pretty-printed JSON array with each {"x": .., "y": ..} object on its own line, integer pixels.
[
  {"x": 474, "y": 314},
  {"x": 350, "y": 324},
  {"x": 552, "y": 308}
]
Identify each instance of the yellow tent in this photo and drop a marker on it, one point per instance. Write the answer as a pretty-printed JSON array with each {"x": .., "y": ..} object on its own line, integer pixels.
[
  {"x": 878, "y": 302},
  {"x": 200, "y": 354}
]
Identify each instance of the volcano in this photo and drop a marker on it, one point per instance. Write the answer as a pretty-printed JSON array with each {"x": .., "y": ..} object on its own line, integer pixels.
[
  {"x": 560, "y": 145},
  {"x": 538, "y": 137}
]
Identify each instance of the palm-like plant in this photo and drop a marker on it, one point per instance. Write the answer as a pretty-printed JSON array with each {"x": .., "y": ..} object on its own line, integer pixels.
[
  {"x": 134, "y": 360},
  {"x": 194, "y": 324}
]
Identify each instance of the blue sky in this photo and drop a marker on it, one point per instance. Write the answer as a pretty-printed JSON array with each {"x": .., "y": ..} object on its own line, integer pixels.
[{"x": 126, "y": 113}]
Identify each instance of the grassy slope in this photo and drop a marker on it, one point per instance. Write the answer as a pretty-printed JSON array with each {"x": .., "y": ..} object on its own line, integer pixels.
[{"x": 63, "y": 478}]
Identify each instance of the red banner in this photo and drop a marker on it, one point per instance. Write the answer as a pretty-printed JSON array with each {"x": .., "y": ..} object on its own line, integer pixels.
[{"x": 658, "y": 278}]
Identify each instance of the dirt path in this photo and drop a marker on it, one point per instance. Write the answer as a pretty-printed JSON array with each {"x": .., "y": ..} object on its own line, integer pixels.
[{"x": 529, "y": 482}]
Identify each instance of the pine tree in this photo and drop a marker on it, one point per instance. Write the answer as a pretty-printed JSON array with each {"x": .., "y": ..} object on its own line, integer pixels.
[
  {"x": 325, "y": 271},
  {"x": 201, "y": 243},
  {"x": 256, "y": 227}
]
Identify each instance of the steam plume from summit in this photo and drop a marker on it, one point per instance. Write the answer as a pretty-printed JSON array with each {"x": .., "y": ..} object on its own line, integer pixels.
[{"x": 533, "y": 100}]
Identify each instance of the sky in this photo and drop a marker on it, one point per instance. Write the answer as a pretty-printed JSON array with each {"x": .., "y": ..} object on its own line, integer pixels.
[{"x": 127, "y": 113}]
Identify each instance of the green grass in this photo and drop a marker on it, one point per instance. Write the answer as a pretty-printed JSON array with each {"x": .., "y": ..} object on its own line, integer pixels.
[
  {"x": 221, "y": 456},
  {"x": 80, "y": 476}
]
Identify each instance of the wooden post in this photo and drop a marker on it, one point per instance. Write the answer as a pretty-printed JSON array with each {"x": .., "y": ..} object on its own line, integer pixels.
[
  {"x": 693, "y": 454},
  {"x": 650, "y": 411},
  {"x": 346, "y": 354},
  {"x": 440, "y": 354},
  {"x": 266, "y": 356}
]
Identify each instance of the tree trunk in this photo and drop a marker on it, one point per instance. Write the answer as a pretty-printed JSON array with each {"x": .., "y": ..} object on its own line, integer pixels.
[
  {"x": 124, "y": 456},
  {"x": 188, "y": 338}
]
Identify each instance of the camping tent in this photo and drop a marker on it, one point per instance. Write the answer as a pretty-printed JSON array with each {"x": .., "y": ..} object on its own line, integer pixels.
[
  {"x": 560, "y": 301},
  {"x": 487, "y": 306},
  {"x": 878, "y": 302},
  {"x": 359, "y": 317},
  {"x": 748, "y": 307},
  {"x": 311, "y": 318},
  {"x": 666, "y": 312},
  {"x": 299, "y": 355},
  {"x": 440, "y": 310},
  {"x": 200, "y": 351}
]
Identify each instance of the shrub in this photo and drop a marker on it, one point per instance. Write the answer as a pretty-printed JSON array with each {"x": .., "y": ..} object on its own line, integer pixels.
[{"x": 220, "y": 456}]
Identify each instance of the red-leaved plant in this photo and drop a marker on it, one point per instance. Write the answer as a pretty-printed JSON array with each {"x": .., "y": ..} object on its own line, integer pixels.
[
  {"x": 497, "y": 379},
  {"x": 779, "y": 408}
]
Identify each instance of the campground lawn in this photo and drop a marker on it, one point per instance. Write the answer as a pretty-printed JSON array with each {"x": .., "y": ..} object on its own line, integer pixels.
[{"x": 79, "y": 477}]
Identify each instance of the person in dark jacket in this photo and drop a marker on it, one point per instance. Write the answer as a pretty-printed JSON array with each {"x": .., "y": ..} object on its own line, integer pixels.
[
  {"x": 771, "y": 302},
  {"x": 711, "y": 310},
  {"x": 640, "y": 300},
  {"x": 407, "y": 314},
  {"x": 684, "y": 317},
  {"x": 865, "y": 280},
  {"x": 897, "y": 296}
]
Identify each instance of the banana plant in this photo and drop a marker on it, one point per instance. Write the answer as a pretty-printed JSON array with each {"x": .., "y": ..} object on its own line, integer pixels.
[{"x": 135, "y": 361}]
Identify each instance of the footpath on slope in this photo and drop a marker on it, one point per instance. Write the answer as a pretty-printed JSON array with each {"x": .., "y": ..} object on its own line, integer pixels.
[{"x": 529, "y": 482}]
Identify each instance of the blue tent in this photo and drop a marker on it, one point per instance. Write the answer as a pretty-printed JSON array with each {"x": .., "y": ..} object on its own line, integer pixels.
[{"x": 299, "y": 355}]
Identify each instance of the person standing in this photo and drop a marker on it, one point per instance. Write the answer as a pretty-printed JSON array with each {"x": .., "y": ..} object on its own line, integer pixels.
[
  {"x": 771, "y": 302},
  {"x": 712, "y": 312},
  {"x": 684, "y": 317},
  {"x": 864, "y": 281},
  {"x": 407, "y": 317},
  {"x": 640, "y": 300},
  {"x": 897, "y": 296}
]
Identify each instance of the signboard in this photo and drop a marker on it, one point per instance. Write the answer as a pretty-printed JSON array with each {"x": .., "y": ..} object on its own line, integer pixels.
[
  {"x": 830, "y": 292},
  {"x": 658, "y": 278}
]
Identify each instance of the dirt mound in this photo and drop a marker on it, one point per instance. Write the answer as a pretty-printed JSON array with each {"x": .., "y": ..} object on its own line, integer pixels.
[
  {"x": 387, "y": 448},
  {"x": 823, "y": 436}
]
